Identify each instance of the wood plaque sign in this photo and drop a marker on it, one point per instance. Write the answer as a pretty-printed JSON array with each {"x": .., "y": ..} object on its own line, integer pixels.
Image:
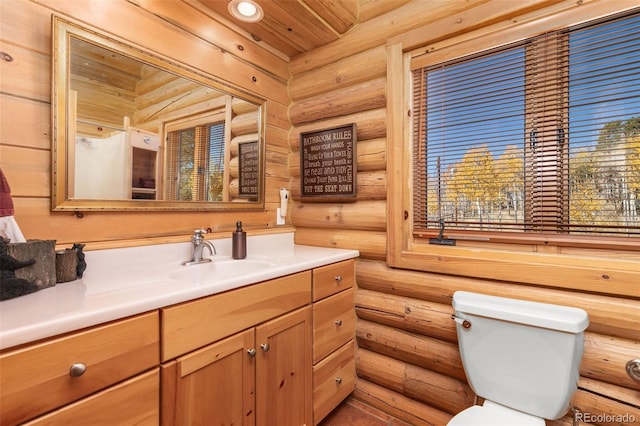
[
  {"x": 248, "y": 169},
  {"x": 328, "y": 164}
]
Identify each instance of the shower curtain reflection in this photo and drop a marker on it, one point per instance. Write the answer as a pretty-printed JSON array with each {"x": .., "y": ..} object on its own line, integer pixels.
[{"x": 96, "y": 159}]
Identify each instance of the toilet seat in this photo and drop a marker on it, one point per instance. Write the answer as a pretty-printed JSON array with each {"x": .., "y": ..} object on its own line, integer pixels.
[{"x": 492, "y": 414}]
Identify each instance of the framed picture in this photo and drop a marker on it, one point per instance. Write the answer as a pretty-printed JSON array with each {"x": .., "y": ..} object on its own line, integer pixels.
[{"x": 328, "y": 166}]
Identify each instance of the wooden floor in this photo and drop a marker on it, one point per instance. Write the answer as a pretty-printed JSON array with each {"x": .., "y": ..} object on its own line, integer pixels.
[{"x": 355, "y": 413}]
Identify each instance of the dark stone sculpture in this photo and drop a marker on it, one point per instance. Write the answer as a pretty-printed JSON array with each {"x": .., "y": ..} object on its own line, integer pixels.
[
  {"x": 10, "y": 285},
  {"x": 82, "y": 264}
]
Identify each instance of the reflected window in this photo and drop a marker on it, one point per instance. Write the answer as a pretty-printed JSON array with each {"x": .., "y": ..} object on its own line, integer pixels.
[{"x": 196, "y": 160}]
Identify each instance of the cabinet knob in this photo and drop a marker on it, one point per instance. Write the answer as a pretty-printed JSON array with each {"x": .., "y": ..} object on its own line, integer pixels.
[
  {"x": 77, "y": 369},
  {"x": 338, "y": 380},
  {"x": 338, "y": 322},
  {"x": 265, "y": 347},
  {"x": 251, "y": 352},
  {"x": 338, "y": 278}
]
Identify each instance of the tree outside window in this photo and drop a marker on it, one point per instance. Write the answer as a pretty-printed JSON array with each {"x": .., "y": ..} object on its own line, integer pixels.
[{"x": 540, "y": 136}]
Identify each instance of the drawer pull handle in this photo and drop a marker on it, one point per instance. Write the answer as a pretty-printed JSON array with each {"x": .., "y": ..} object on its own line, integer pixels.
[
  {"x": 77, "y": 369},
  {"x": 251, "y": 352},
  {"x": 265, "y": 347},
  {"x": 338, "y": 278},
  {"x": 338, "y": 322},
  {"x": 338, "y": 380}
]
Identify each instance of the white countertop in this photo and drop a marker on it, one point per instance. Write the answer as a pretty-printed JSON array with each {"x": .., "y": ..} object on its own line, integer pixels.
[{"x": 123, "y": 282}]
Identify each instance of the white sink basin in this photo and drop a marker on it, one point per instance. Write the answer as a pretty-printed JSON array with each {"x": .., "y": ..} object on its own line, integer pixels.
[{"x": 219, "y": 268}]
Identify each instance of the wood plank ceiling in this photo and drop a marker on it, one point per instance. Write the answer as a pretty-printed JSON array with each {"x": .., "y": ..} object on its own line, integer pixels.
[{"x": 296, "y": 26}]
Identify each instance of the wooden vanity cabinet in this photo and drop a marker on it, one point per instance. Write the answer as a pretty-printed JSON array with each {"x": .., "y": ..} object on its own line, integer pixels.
[
  {"x": 255, "y": 366},
  {"x": 280, "y": 352},
  {"x": 334, "y": 369},
  {"x": 85, "y": 371}
]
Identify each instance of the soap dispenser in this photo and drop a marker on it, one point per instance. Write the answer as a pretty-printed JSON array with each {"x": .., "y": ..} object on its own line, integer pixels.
[{"x": 239, "y": 242}]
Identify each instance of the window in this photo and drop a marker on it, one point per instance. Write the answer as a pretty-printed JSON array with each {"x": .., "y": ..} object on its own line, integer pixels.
[
  {"x": 195, "y": 162},
  {"x": 538, "y": 137}
]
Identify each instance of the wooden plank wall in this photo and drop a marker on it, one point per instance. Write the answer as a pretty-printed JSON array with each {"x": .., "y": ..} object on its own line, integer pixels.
[
  {"x": 25, "y": 111},
  {"x": 407, "y": 361}
]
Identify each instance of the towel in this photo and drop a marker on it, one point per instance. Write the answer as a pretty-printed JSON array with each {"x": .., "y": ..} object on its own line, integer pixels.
[{"x": 8, "y": 226}]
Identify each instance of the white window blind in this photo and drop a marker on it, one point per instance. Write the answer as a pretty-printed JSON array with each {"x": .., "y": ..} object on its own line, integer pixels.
[{"x": 539, "y": 136}]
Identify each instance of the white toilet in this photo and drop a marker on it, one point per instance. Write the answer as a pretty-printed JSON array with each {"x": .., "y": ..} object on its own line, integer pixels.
[{"x": 522, "y": 357}]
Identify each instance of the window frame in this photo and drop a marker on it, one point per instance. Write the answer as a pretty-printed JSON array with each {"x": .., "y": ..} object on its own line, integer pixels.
[
  {"x": 200, "y": 124},
  {"x": 548, "y": 259}
]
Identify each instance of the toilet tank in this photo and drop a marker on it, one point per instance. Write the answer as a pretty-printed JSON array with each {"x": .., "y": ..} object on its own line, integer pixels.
[{"x": 521, "y": 354}]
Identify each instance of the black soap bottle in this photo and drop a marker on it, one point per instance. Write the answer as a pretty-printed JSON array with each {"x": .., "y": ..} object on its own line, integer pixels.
[{"x": 239, "y": 242}]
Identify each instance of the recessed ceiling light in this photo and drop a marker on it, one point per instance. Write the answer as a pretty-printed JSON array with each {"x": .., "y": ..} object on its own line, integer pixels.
[{"x": 245, "y": 10}]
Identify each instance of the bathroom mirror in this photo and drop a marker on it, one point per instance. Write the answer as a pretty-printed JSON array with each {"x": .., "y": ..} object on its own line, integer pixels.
[{"x": 136, "y": 131}]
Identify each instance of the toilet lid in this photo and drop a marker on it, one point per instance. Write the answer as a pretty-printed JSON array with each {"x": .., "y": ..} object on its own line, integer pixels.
[{"x": 492, "y": 414}]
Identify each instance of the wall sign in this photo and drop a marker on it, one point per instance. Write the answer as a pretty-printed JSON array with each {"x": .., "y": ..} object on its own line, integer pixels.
[
  {"x": 328, "y": 164},
  {"x": 248, "y": 169}
]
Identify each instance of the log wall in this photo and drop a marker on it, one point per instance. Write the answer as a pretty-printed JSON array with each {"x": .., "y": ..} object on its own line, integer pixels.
[
  {"x": 408, "y": 362},
  {"x": 192, "y": 38}
]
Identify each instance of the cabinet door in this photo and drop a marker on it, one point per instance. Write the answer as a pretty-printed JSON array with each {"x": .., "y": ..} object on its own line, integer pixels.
[
  {"x": 212, "y": 386},
  {"x": 284, "y": 371}
]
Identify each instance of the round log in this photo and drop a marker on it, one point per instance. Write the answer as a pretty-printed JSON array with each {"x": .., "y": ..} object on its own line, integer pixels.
[
  {"x": 440, "y": 391},
  {"x": 412, "y": 348},
  {"x": 365, "y": 66},
  {"x": 439, "y": 288},
  {"x": 371, "y": 244},
  {"x": 398, "y": 405},
  {"x": 363, "y": 216},
  {"x": 244, "y": 123},
  {"x": 405, "y": 313},
  {"x": 364, "y": 96}
]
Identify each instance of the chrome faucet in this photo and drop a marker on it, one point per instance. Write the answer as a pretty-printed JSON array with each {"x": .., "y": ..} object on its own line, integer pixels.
[{"x": 198, "y": 245}]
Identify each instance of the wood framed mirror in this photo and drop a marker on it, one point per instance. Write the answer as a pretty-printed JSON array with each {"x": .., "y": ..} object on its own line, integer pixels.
[{"x": 137, "y": 131}]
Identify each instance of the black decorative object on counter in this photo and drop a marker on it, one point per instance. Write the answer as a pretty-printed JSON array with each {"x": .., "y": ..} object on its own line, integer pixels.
[
  {"x": 10, "y": 285},
  {"x": 82, "y": 264}
]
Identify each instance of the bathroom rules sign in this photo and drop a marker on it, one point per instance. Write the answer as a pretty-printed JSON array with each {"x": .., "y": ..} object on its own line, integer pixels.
[{"x": 328, "y": 164}]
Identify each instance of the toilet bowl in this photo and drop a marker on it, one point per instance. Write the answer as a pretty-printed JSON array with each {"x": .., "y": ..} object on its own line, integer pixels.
[{"x": 521, "y": 357}]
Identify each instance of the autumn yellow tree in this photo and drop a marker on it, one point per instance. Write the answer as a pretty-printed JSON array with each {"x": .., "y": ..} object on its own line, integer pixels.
[
  {"x": 474, "y": 181},
  {"x": 510, "y": 178},
  {"x": 586, "y": 205}
]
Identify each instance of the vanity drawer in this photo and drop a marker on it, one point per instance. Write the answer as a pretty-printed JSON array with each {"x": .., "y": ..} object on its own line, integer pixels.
[
  {"x": 37, "y": 378},
  {"x": 334, "y": 320},
  {"x": 334, "y": 379},
  {"x": 134, "y": 402},
  {"x": 192, "y": 325},
  {"x": 334, "y": 278}
]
